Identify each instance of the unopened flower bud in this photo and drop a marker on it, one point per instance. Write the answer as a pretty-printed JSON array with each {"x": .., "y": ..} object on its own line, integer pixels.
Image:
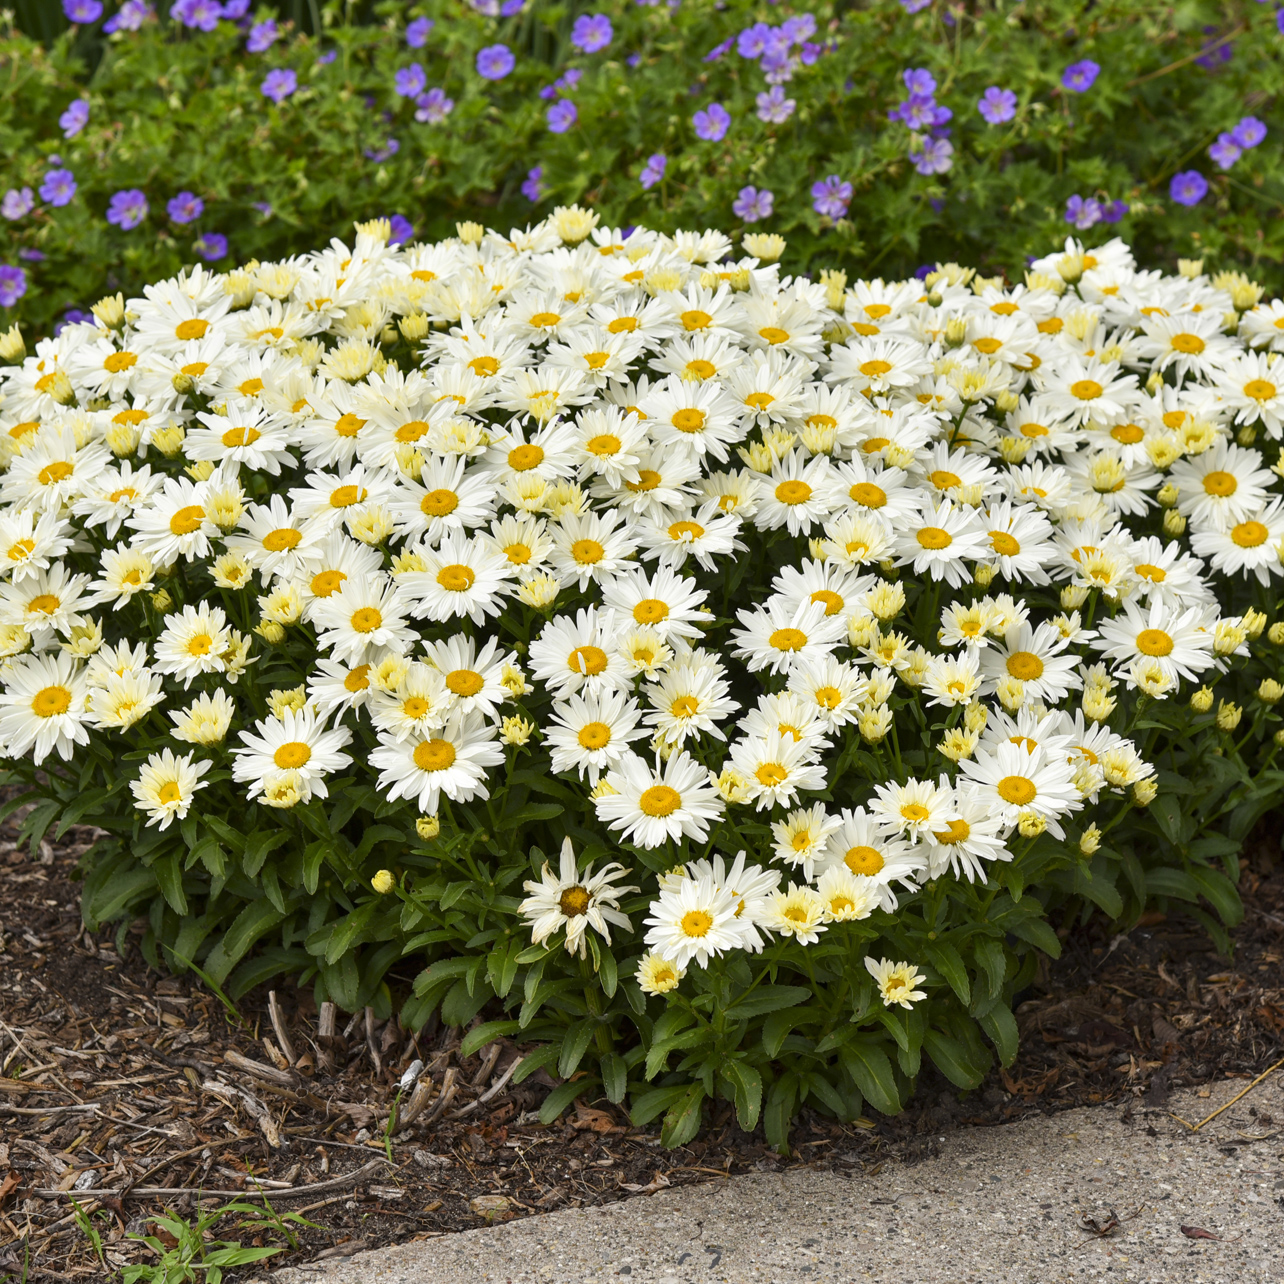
[
  {"x": 383, "y": 882},
  {"x": 1174, "y": 523},
  {"x": 1090, "y": 840},
  {"x": 1144, "y": 791},
  {"x": 1228, "y": 715},
  {"x": 1270, "y": 691},
  {"x": 428, "y": 827},
  {"x": 1202, "y": 700}
]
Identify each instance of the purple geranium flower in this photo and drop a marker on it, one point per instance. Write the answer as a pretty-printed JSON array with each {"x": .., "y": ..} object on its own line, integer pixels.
[
  {"x": 17, "y": 203},
  {"x": 279, "y": 84},
  {"x": 774, "y": 107},
  {"x": 73, "y": 316},
  {"x": 199, "y": 15},
  {"x": 718, "y": 50},
  {"x": 211, "y": 246},
  {"x": 235, "y": 10},
  {"x": 533, "y": 185},
  {"x": 1225, "y": 151},
  {"x": 997, "y": 106},
  {"x": 75, "y": 118},
  {"x": 325, "y": 59},
  {"x": 1080, "y": 76},
  {"x": 263, "y": 208},
  {"x": 262, "y": 36},
  {"x": 1188, "y": 188},
  {"x": 28, "y": 255},
  {"x": 59, "y": 187},
  {"x": 185, "y": 208},
  {"x": 914, "y": 6},
  {"x": 753, "y": 205},
  {"x": 495, "y": 62},
  {"x": 127, "y": 209},
  {"x": 13, "y": 284},
  {"x": 433, "y": 107},
  {"x": 752, "y": 41},
  {"x": 561, "y": 116},
  {"x": 381, "y": 154},
  {"x": 510, "y": 8},
  {"x": 409, "y": 81},
  {"x": 831, "y": 197},
  {"x": 653, "y": 170},
  {"x": 933, "y": 156},
  {"x": 918, "y": 111},
  {"x": 1083, "y": 213},
  {"x": 403, "y": 230},
  {"x": 918, "y": 80},
  {"x": 82, "y": 11},
  {"x": 1279, "y": 22},
  {"x": 417, "y": 32},
  {"x": 591, "y": 32},
  {"x": 129, "y": 17},
  {"x": 1114, "y": 211},
  {"x": 712, "y": 123},
  {"x": 1248, "y": 133}
]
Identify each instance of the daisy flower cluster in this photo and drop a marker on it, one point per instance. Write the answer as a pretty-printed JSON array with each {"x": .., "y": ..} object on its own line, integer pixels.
[{"x": 854, "y": 581}]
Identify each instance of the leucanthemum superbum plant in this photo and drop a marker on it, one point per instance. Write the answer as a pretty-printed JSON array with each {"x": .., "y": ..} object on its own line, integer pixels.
[{"x": 719, "y": 683}]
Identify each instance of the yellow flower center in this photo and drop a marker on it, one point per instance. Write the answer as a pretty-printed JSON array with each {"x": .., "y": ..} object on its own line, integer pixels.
[
  {"x": 1053, "y": 325},
  {"x": 464, "y": 682},
  {"x": 759, "y": 400},
  {"x": 987, "y": 345},
  {"x": 787, "y": 640},
  {"x": 1025, "y": 666},
  {"x": 50, "y": 702},
  {"x": 694, "y": 319},
  {"x": 1191, "y": 344},
  {"x": 279, "y": 541},
  {"x": 594, "y": 735},
  {"x": 828, "y": 697},
  {"x": 650, "y": 610},
  {"x": 1250, "y": 534},
  {"x": 292, "y": 755},
  {"x": 933, "y": 537},
  {"x": 1220, "y": 483},
  {"x": 358, "y": 679},
  {"x": 485, "y": 367},
  {"x": 194, "y": 328},
  {"x": 53, "y": 473},
  {"x": 169, "y": 792},
  {"x": 1086, "y": 389},
  {"x": 545, "y": 320},
  {"x": 596, "y": 360},
  {"x": 685, "y": 707},
  {"x": 573, "y": 902},
  {"x": 200, "y": 644},
  {"x": 603, "y": 445},
  {"x": 688, "y": 420},
  {"x": 771, "y": 774},
  {"x": 327, "y": 582},
  {"x": 867, "y": 495},
  {"x": 957, "y": 831},
  {"x": 365, "y": 619},
  {"x": 587, "y": 552},
  {"x": 1149, "y": 571},
  {"x": 119, "y": 362},
  {"x": 696, "y": 923},
  {"x": 875, "y": 368},
  {"x": 589, "y": 660},
  {"x": 349, "y": 425},
  {"x": 1259, "y": 389},
  {"x": 622, "y": 325},
  {"x": 415, "y": 707},
  {"x": 681, "y": 530},
  {"x": 793, "y": 492},
  {"x": 1154, "y": 642},
  {"x": 522, "y": 459},
  {"x": 1004, "y": 545},
  {"x": 20, "y": 551},
  {"x": 244, "y": 436},
  {"x": 833, "y": 602},
  {"x": 659, "y": 801},
  {"x": 434, "y": 755},
  {"x": 456, "y": 578},
  {"x": 915, "y": 813},
  {"x": 518, "y": 554},
  {"x": 439, "y": 503},
  {"x": 1017, "y": 790},
  {"x": 648, "y": 479}
]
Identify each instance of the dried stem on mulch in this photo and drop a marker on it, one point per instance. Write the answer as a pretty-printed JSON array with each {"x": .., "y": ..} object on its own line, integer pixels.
[{"x": 133, "y": 1092}]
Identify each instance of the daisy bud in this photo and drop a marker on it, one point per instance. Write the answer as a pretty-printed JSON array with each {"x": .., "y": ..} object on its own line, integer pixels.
[
  {"x": 1006, "y": 402},
  {"x": 1174, "y": 523},
  {"x": 122, "y": 439},
  {"x": 389, "y": 674},
  {"x": 1270, "y": 692},
  {"x": 1144, "y": 791},
  {"x": 85, "y": 640},
  {"x": 874, "y": 723},
  {"x": 200, "y": 471},
  {"x": 1247, "y": 435},
  {"x": 1163, "y": 451},
  {"x": 161, "y": 600},
  {"x": 270, "y": 631},
  {"x": 110, "y": 311},
  {"x": 757, "y": 455},
  {"x": 819, "y": 549},
  {"x": 886, "y": 600},
  {"x": 371, "y": 526},
  {"x": 1190, "y": 268},
  {"x": 709, "y": 280},
  {"x": 12, "y": 347},
  {"x": 975, "y": 716},
  {"x": 231, "y": 571},
  {"x": 1228, "y": 715},
  {"x": 1167, "y": 495},
  {"x": 662, "y": 281},
  {"x": 656, "y": 975},
  {"x": 378, "y": 229},
  {"x": 1275, "y": 635},
  {"x": 516, "y": 731},
  {"x": 1087, "y": 779},
  {"x": 513, "y": 680},
  {"x": 1013, "y": 449},
  {"x": 602, "y": 790},
  {"x": 169, "y": 441},
  {"x": 383, "y": 882},
  {"x": 1098, "y": 704},
  {"x": 1279, "y": 737},
  {"x": 766, "y": 246},
  {"x": 470, "y": 233},
  {"x": 405, "y": 563},
  {"x": 279, "y": 700},
  {"x": 1229, "y": 636},
  {"x": 983, "y": 575},
  {"x": 572, "y": 223},
  {"x": 1090, "y": 840},
  {"x": 540, "y": 591},
  {"x": 428, "y": 827},
  {"x": 1073, "y": 596},
  {"x": 819, "y": 439},
  {"x": 1197, "y": 436},
  {"x": 1031, "y": 824},
  {"x": 1254, "y": 622},
  {"x": 410, "y": 463},
  {"x": 1202, "y": 700},
  {"x": 413, "y": 326},
  {"x": 958, "y": 744},
  {"x": 835, "y": 283},
  {"x": 1044, "y": 281},
  {"x": 284, "y": 791},
  {"x": 1011, "y": 692}
]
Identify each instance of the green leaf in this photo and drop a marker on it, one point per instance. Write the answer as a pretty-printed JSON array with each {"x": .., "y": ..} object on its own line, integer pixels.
[
  {"x": 779, "y": 1111},
  {"x": 872, "y": 1071},
  {"x": 574, "y": 1045},
  {"x": 169, "y": 878},
  {"x": 1164, "y": 881},
  {"x": 949, "y": 963},
  {"x": 615, "y": 1077},
  {"x": 1001, "y": 1027},
  {"x": 683, "y": 1120},
  {"x": 953, "y": 1059},
  {"x": 775, "y": 1027},
  {"x": 653, "y": 1103},
  {"x": 562, "y": 1096},
  {"x": 993, "y": 960},
  {"x": 1039, "y": 934},
  {"x": 258, "y": 846},
  {"x": 746, "y": 1084},
  {"x": 479, "y": 1036},
  {"x": 768, "y": 998},
  {"x": 1220, "y": 892}
]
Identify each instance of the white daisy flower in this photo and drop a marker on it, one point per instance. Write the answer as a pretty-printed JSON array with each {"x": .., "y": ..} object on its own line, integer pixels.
[
  {"x": 44, "y": 707},
  {"x": 575, "y": 900},
  {"x": 453, "y": 761},
  {"x": 166, "y": 786},
  {"x": 650, "y": 807}
]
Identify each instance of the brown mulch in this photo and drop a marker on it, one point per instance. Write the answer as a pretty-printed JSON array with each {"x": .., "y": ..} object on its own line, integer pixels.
[{"x": 115, "y": 1078}]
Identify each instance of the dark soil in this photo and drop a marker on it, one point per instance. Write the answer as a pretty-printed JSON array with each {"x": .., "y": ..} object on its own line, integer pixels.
[{"x": 115, "y": 1078}]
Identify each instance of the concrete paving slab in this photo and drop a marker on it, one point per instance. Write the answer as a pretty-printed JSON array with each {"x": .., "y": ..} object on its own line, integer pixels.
[{"x": 995, "y": 1206}]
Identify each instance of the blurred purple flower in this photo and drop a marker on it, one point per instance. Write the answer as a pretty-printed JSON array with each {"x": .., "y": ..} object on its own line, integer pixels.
[
  {"x": 409, "y": 81},
  {"x": 417, "y": 32},
  {"x": 279, "y": 84},
  {"x": 262, "y": 36},
  {"x": 561, "y": 116},
  {"x": 59, "y": 187},
  {"x": 1114, "y": 211},
  {"x": 1279, "y": 22},
  {"x": 185, "y": 208},
  {"x": 75, "y": 118},
  {"x": 914, "y": 6},
  {"x": 933, "y": 156},
  {"x": 799, "y": 27},
  {"x": 130, "y": 16},
  {"x": 653, "y": 170},
  {"x": 718, "y": 50},
  {"x": 235, "y": 10},
  {"x": 997, "y": 106},
  {"x": 325, "y": 59},
  {"x": 1080, "y": 76},
  {"x": 1225, "y": 151},
  {"x": 1248, "y": 133},
  {"x": 591, "y": 32},
  {"x": 199, "y": 15},
  {"x": 495, "y": 62},
  {"x": 73, "y": 316},
  {"x": 127, "y": 209},
  {"x": 1188, "y": 188},
  {"x": 403, "y": 230},
  {"x": 28, "y": 255},
  {"x": 831, "y": 197},
  {"x": 753, "y": 205},
  {"x": 1083, "y": 213},
  {"x": 633, "y": 59},
  {"x": 433, "y": 107},
  {"x": 774, "y": 107},
  {"x": 752, "y": 41},
  {"x": 712, "y": 123},
  {"x": 263, "y": 208},
  {"x": 511, "y": 7},
  {"x": 13, "y": 284},
  {"x": 82, "y": 11},
  {"x": 533, "y": 186},
  {"x": 18, "y": 202},
  {"x": 211, "y": 247},
  {"x": 918, "y": 80},
  {"x": 381, "y": 154}
]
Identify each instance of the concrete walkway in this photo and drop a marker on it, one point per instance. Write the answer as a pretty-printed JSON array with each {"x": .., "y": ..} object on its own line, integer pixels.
[{"x": 996, "y": 1206}]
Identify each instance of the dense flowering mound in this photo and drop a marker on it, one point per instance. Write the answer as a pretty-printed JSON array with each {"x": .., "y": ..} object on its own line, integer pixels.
[{"x": 754, "y": 627}]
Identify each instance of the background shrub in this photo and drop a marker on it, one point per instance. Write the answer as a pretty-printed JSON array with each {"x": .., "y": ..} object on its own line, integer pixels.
[{"x": 1126, "y": 116}]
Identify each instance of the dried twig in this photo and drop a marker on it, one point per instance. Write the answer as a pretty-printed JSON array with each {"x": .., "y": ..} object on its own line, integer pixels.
[
  {"x": 277, "y": 1018},
  {"x": 449, "y": 1086},
  {"x": 1265, "y": 1074},
  {"x": 325, "y": 1036},
  {"x": 269, "y": 1074}
]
